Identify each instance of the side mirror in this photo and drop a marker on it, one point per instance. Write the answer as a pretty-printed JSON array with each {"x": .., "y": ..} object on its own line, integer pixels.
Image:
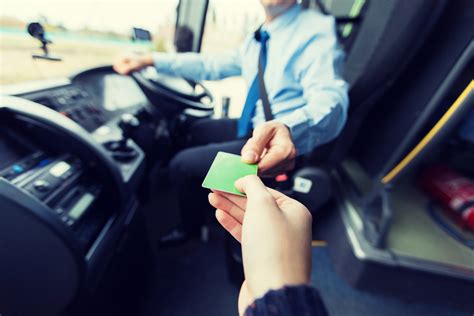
[{"x": 139, "y": 34}]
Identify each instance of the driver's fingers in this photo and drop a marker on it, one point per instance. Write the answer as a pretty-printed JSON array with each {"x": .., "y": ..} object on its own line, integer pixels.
[
  {"x": 256, "y": 145},
  {"x": 279, "y": 157},
  {"x": 122, "y": 68},
  {"x": 117, "y": 68},
  {"x": 230, "y": 224},
  {"x": 222, "y": 203},
  {"x": 277, "y": 170}
]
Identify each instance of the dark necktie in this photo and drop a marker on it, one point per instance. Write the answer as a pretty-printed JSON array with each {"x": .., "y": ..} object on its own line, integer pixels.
[{"x": 245, "y": 121}]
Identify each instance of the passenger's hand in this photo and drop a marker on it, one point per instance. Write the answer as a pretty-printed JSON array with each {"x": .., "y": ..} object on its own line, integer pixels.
[
  {"x": 272, "y": 148},
  {"x": 275, "y": 232},
  {"x": 126, "y": 64}
]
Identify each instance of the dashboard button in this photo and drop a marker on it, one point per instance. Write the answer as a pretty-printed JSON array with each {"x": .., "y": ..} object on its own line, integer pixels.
[
  {"x": 17, "y": 169},
  {"x": 67, "y": 175},
  {"x": 42, "y": 185},
  {"x": 76, "y": 95},
  {"x": 62, "y": 100}
]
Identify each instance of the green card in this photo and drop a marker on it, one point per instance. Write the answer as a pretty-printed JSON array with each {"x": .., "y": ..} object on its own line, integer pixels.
[{"x": 225, "y": 170}]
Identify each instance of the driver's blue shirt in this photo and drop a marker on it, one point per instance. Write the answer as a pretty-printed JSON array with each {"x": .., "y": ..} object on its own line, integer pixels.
[{"x": 302, "y": 76}]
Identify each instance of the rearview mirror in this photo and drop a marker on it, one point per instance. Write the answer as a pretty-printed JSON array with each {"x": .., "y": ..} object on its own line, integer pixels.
[{"x": 36, "y": 30}]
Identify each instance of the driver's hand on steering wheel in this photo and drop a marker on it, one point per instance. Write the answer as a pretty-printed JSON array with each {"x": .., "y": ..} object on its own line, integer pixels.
[
  {"x": 271, "y": 146},
  {"x": 124, "y": 65}
]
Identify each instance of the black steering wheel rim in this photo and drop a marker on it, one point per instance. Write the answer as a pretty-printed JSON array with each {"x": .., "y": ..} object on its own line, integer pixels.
[{"x": 182, "y": 101}]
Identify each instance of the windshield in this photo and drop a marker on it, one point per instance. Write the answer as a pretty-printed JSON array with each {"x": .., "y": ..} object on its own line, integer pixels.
[
  {"x": 89, "y": 33},
  {"x": 84, "y": 34}
]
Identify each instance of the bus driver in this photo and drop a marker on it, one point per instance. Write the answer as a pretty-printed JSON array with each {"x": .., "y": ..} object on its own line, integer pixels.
[{"x": 305, "y": 104}]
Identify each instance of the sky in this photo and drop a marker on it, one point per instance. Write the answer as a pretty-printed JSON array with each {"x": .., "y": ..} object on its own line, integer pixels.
[{"x": 111, "y": 15}]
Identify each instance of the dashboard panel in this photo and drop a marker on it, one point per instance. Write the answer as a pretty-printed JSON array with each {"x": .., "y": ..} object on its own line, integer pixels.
[
  {"x": 66, "y": 202},
  {"x": 12, "y": 150},
  {"x": 93, "y": 97},
  {"x": 114, "y": 92}
]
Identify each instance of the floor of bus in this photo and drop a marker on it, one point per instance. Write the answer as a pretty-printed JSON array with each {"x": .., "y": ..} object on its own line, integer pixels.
[{"x": 192, "y": 279}]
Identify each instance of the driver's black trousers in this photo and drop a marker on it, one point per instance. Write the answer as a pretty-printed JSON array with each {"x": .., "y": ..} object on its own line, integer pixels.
[{"x": 189, "y": 167}]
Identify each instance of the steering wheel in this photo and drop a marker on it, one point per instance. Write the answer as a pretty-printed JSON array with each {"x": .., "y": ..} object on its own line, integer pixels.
[{"x": 173, "y": 94}]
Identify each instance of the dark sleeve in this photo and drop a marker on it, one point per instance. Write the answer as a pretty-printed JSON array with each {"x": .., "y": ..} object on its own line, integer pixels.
[{"x": 289, "y": 301}]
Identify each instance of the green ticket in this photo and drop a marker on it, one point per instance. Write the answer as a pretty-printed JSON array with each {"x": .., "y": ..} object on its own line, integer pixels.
[{"x": 225, "y": 170}]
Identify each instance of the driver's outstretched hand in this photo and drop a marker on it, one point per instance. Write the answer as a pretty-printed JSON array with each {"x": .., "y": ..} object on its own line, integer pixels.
[
  {"x": 124, "y": 65},
  {"x": 271, "y": 146}
]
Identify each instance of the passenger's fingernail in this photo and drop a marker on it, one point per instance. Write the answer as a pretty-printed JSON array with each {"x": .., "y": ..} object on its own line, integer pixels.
[
  {"x": 249, "y": 156},
  {"x": 238, "y": 184}
]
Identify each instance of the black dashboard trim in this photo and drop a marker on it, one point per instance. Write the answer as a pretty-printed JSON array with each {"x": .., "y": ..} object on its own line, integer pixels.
[
  {"x": 92, "y": 70},
  {"x": 50, "y": 220},
  {"x": 65, "y": 126}
]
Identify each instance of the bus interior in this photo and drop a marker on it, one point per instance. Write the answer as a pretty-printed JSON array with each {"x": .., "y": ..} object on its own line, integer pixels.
[{"x": 81, "y": 214}]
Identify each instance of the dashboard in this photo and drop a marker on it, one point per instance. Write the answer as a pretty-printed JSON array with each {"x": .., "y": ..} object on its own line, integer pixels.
[
  {"x": 66, "y": 199},
  {"x": 92, "y": 98},
  {"x": 11, "y": 150},
  {"x": 95, "y": 99},
  {"x": 74, "y": 157}
]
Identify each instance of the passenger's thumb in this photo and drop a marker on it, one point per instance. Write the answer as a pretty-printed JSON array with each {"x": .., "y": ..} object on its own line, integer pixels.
[{"x": 251, "y": 186}]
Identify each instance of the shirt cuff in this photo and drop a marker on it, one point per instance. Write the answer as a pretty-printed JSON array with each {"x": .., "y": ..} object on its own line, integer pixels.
[
  {"x": 163, "y": 61},
  {"x": 289, "y": 301},
  {"x": 299, "y": 125}
]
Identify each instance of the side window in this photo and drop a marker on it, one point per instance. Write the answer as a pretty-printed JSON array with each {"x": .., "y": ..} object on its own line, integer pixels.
[{"x": 228, "y": 22}]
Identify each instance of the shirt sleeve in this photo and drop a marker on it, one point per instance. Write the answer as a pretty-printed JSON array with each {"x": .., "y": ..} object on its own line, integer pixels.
[
  {"x": 318, "y": 70},
  {"x": 289, "y": 301},
  {"x": 196, "y": 66}
]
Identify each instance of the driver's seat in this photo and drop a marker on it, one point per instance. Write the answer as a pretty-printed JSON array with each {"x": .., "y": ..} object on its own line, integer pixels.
[{"x": 385, "y": 37}]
